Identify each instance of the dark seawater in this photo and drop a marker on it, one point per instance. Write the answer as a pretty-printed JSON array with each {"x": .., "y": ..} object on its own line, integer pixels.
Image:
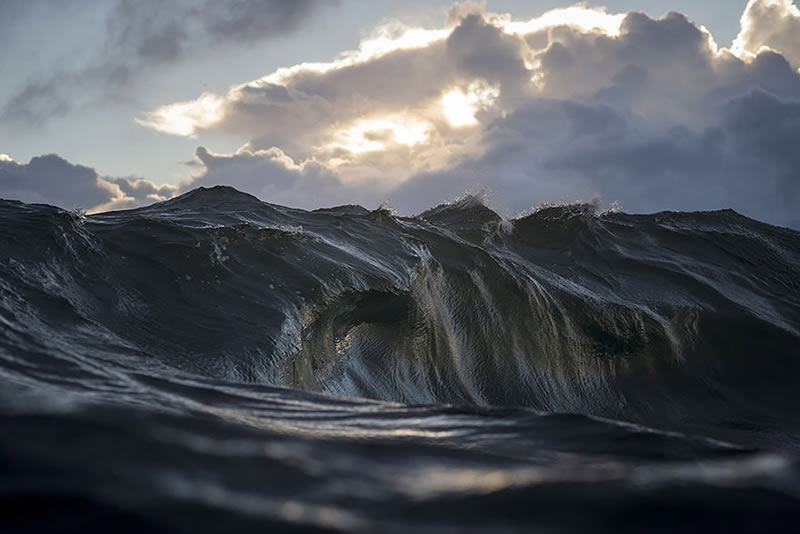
[{"x": 214, "y": 363}]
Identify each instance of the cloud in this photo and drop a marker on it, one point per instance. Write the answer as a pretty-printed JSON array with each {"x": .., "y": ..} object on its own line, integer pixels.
[
  {"x": 396, "y": 68},
  {"x": 564, "y": 151},
  {"x": 576, "y": 104},
  {"x": 14, "y": 11},
  {"x": 51, "y": 179},
  {"x": 148, "y": 32},
  {"x": 141, "y": 35},
  {"x": 38, "y": 101},
  {"x": 10, "y": 12},
  {"x": 271, "y": 174},
  {"x": 138, "y": 191},
  {"x": 570, "y": 105},
  {"x": 252, "y": 20},
  {"x": 774, "y": 24}
]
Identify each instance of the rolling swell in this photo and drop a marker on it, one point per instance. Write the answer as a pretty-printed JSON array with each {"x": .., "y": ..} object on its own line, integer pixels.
[{"x": 679, "y": 321}]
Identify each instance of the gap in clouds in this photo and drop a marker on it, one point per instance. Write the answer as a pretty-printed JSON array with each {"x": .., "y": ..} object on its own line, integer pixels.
[{"x": 574, "y": 104}]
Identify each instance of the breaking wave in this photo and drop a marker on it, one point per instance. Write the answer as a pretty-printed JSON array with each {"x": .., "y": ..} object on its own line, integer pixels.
[{"x": 682, "y": 322}]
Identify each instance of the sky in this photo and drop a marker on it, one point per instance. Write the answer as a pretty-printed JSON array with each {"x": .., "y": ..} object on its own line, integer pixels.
[{"x": 652, "y": 105}]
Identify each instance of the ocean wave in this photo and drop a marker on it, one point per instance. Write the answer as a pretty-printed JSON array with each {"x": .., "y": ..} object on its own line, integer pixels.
[
  {"x": 213, "y": 316},
  {"x": 668, "y": 320}
]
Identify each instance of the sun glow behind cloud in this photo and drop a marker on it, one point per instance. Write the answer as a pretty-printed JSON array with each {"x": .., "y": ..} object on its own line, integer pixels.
[
  {"x": 6, "y": 157},
  {"x": 187, "y": 118},
  {"x": 370, "y": 135},
  {"x": 460, "y": 107}
]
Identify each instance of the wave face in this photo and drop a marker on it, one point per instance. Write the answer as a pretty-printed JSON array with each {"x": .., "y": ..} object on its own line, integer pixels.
[{"x": 198, "y": 336}]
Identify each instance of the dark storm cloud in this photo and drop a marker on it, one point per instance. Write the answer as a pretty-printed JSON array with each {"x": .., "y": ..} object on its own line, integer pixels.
[
  {"x": 51, "y": 179},
  {"x": 481, "y": 50},
  {"x": 143, "y": 34},
  {"x": 569, "y": 151}
]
